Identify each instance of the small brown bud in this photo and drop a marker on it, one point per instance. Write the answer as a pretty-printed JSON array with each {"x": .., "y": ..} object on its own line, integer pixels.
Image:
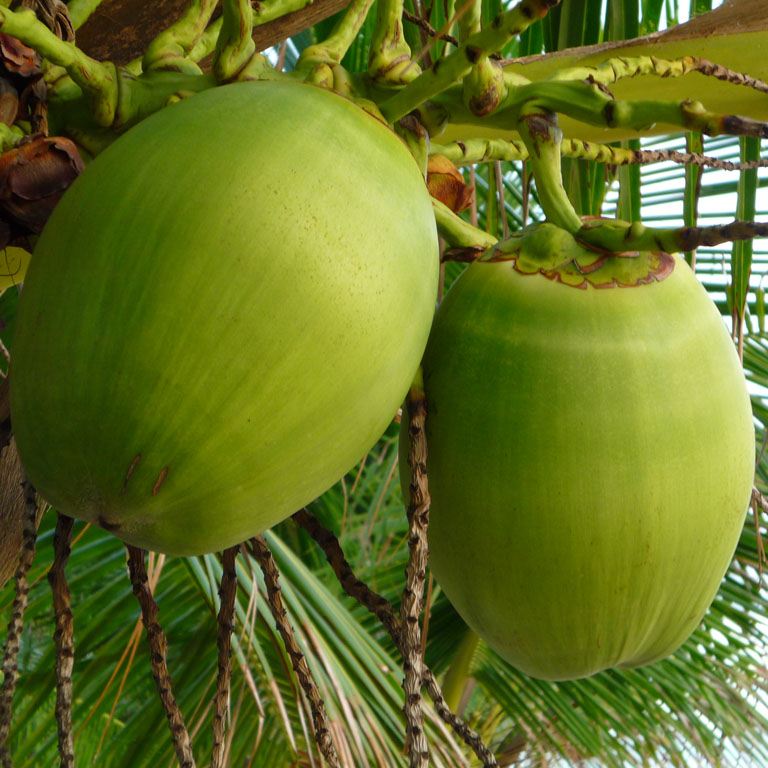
[{"x": 446, "y": 184}]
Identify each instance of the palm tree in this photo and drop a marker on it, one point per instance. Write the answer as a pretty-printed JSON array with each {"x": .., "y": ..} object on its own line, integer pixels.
[{"x": 704, "y": 705}]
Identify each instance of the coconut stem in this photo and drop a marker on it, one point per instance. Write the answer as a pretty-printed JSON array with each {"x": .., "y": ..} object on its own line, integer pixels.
[
  {"x": 620, "y": 236},
  {"x": 234, "y": 46},
  {"x": 64, "y": 638},
  {"x": 333, "y": 49},
  {"x": 413, "y": 594},
  {"x": 158, "y": 646},
  {"x": 390, "y": 56},
  {"x": 457, "y": 232},
  {"x": 472, "y": 151},
  {"x": 382, "y": 609},
  {"x": 16, "y": 624},
  {"x": 227, "y": 594},
  {"x": 171, "y": 48},
  {"x": 321, "y": 727},
  {"x": 97, "y": 79},
  {"x": 619, "y": 68},
  {"x": 542, "y": 137},
  {"x": 453, "y": 67}
]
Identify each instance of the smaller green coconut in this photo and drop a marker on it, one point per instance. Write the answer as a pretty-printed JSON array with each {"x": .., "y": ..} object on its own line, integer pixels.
[
  {"x": 222, "y": 315},
  {"x": 591, "y": 452}
]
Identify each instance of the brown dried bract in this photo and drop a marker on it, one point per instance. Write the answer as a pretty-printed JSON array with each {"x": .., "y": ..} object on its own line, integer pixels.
[
  {"x": 33, "y": 177},
  {"x": 18, "y": 58},
  {"x": 446, "y": 184}
]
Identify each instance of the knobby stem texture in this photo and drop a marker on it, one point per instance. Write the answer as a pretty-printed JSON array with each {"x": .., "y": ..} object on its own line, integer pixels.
[
  {"x": 620, "y": 236},
  {"x": 227, "y": 595},
  {"x": 266, "y": 561},
  {"x": 64, "y": 639},
  {"x": 382, "y": 609},
  {"x": 413, "y": 594},
  {"x": 453, "y": 67},
  {"x": 16, "y": 623},
  {"x": 158, "y": 646},
  {"x": 613, "y": 70}
]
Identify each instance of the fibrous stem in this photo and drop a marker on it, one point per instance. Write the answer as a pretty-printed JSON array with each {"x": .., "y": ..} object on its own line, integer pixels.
[
  {"x": 382, "y": 609},
  {"x": 226, "y": 617},
  {"x": 266, "y": 561},
  {"x": 64, "y": 639},
  {"x": 413, "y": 594},
  {"x": 16, "y": 623},
  {"x": 158, "y": 646}
]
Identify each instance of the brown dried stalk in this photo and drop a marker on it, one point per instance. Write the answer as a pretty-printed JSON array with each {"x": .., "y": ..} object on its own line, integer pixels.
[
  {"x": 415, "y": 575},
  {"x": 64, "y": 638},
  {"x": 263, "y": 556},
  {"x": 382, "y": 609},
  {"x": 158, "y": 646},
  {"x": 429, "y": 29},
  {"x": 227, "y": 593},
  {"x": 15, "y": 625}
]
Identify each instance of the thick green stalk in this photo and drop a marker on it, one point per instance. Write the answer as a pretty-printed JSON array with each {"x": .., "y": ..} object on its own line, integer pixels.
[
  {"x": 621, "y": 236},
  {"x": 170, "y": 49},
  {"x": 81, "y": 10},
  {"x": 333, "y": 49},
  {"x": 542, "y": 137},
  {"x": 390, "y": 58},
  {"x": 613, "y": 70},
  {"x": 694, "y": 144},
  {"x": 457, "y": 232},
  {"x": 235, "y": 45},
  {"x": 452, "y": 68},
  {"x": 587, "y": 102},
  {"x": 456, "y": 677},
  {"x": 94, "y": 78}
]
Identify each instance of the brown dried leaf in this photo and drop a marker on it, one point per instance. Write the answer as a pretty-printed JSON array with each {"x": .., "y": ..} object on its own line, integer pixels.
[
  {"x": 33, "y": 177},
  {"x": 9, "y": 102},
  {"x": 17, "y": 57},
  {"x": 446, "y": 184}
]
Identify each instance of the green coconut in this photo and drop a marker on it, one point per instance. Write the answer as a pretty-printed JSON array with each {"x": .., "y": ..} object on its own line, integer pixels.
[
  {"x": 222, "y": 315},
  {"x": 591, "y": 451}
]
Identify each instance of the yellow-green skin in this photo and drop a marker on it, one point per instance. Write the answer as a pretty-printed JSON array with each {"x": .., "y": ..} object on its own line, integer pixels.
[
  {"x": 590, "y": 462},
  {"x": 222, "y": 315}
]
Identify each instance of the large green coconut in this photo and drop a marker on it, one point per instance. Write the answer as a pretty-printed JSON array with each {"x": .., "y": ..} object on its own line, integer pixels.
[
  {"x": 591, "y": 452},
  {"x": 222, "y": 315}
]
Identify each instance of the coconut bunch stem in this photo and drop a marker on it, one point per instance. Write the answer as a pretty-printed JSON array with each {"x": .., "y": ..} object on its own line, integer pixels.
[
  {"x": 478, "y": 150},
  {"x": 456, "y": 65},
  {"x": 382, "y": 609},
  {"x": 412, "y": 601},
  {"x": 226, "y": 620},
  {"x": 621, "y": 236},
  {"x": 618, "y": 68},
  {"x": 64, "y": 638},
  {"x": 333, "y": 49},
  {"x": 172, "y": 47},
  {"x": 322, "y": 732},
  {"x": 16, "y": 623},
  {"x": 158, "y": 645}
]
